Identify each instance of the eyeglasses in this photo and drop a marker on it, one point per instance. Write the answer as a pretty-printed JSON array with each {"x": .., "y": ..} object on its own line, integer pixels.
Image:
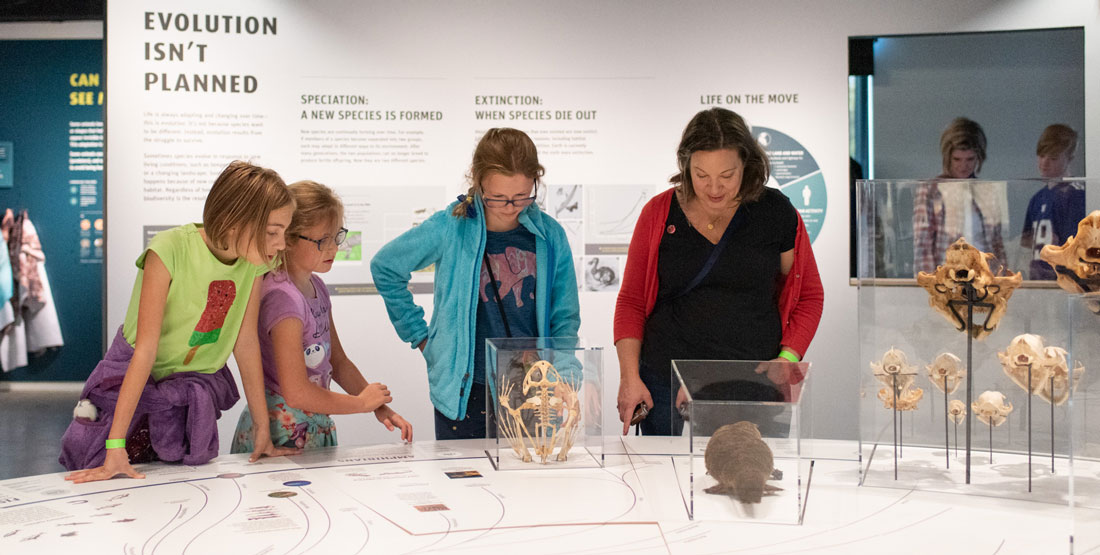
[
  {"x": 338, "y": 239},
  {"x": 501, "y": 203}
]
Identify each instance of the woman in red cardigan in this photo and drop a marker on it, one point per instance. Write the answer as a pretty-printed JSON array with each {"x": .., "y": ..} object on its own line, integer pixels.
[{"x": 719, "y": 268}]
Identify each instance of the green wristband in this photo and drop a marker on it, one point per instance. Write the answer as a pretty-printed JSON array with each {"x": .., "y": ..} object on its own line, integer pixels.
[
  {"x": 788, "y": 355},
  {"x": 116, "y": 443}
]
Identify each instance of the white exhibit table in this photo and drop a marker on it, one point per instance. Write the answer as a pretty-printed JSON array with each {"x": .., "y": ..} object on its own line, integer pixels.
[{"x": 446, "y": 497}]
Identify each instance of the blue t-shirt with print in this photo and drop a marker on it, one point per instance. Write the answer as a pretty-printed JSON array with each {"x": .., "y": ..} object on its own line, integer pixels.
[
  {"x": 1052, "y": 217},
  {"x": 512, "y": 256}
]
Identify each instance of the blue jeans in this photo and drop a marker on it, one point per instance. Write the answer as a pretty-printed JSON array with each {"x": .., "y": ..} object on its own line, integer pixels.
[
  {"x": 470, "y": 426},
  {"x": 662, "y": 419}
]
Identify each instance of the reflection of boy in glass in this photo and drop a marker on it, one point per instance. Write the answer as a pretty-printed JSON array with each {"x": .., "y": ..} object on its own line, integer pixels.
[{"x": 1054, "y": 211}]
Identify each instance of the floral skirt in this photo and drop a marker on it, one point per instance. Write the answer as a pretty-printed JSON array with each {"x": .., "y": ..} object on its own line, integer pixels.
[{"x": 290, "y": 427}]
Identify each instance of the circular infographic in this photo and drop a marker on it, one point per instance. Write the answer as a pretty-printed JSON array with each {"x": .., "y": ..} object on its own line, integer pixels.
[{"x": 794, "y": 171}]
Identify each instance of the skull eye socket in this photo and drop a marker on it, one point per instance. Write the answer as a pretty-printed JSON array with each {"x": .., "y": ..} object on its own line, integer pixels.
[
  {"x": 1093, "y": 252},
  {"x": 1023, "y": 358}
]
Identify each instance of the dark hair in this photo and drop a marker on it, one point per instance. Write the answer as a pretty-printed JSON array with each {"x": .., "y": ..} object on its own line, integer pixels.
[
  {"x": 241, "y": 199},
  {"x": 505, "y": 151},
  {"x": 962, "y": 134},
  {"x": 719, "y": 129}
]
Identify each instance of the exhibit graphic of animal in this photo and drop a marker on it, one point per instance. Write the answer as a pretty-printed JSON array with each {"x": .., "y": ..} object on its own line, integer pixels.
[
  {"x": 1077, "y": 262},
  {"x": 510, "y": 268},
  {"x": 739, "y": 459},
  {"x": 966, "y": 268}
]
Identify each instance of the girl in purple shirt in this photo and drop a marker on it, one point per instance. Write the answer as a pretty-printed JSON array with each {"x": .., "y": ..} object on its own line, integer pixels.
[{"x": 301, "y": 351}]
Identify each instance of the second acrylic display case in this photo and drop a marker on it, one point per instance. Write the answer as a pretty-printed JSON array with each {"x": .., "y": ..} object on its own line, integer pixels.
[
  {"x": 743, "y": 424},
  {"x": 543, "y": 398},
  {"x": 978, "y": 377}
]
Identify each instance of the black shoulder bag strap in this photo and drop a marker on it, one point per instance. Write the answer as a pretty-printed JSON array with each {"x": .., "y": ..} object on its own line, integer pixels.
[
  {"x": 496, "y": 293},
  {"x": 714, "y": 254}
]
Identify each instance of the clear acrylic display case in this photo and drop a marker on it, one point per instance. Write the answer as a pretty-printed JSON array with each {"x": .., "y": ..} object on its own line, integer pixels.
[
  {"x": 1021, "y": 444},
  {"x": 764, "y": 405},
  {"x": 1085, "y": 424},
  {"x": 543, "y": 399}
]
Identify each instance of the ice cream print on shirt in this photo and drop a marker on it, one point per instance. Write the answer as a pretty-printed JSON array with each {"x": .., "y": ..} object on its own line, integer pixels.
[
  {"x": 219, "y": 299},
  {"x": 510, "y": 268}
]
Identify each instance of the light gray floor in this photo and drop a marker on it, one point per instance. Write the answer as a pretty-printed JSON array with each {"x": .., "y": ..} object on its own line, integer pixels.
[{"x": 31, "y": 424}]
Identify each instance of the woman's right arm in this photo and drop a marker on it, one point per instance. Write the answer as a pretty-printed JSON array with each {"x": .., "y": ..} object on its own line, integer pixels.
[
  {"x": 154, "y": 296},
  {"x": 392, "y": 268},
  {"x": 630, "y": 320}
]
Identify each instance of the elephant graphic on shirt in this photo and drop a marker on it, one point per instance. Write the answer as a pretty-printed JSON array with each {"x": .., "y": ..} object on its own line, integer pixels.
[{"x": 510, "y": 268}]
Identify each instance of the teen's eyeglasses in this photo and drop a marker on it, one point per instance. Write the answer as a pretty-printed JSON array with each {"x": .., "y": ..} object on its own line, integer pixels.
[
  {"x": 501, "y": 203},
  {"x": 338, "y": 239}
]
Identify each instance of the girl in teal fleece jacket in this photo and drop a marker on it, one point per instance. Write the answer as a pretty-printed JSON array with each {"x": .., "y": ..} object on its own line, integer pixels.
[{"x": 503, "y": 268}]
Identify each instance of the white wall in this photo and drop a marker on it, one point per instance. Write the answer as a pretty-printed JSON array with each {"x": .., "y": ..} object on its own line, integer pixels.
[{"x": 642, "y": 65}]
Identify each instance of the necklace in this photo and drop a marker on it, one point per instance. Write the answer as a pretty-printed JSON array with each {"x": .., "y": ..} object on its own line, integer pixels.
[{"x": 714, "y": 221}]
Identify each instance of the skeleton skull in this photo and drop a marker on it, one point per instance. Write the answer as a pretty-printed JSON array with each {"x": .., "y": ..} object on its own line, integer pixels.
[
  {"x": 907, "y": 398},
  {"x": 1059, "y": 383},
  {"x": 956, "y": 411},
  {"x": 894, "y": 370},
  {"x": 991, "y": 408},
  {"x": 966, "y": 268},
  {"x": 946, "y": 372},
  {"x": 1026, "y": 352},
  {"x": 1078, "y": 260}
]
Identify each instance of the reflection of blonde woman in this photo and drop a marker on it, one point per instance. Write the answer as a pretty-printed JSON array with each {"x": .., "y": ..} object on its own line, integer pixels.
[
  {"x": 943, "y": 212},
  {"x": 503, "y": 268}
]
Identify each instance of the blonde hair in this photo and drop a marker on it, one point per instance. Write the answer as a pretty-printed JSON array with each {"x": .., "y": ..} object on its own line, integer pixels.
[
  {"x": 962, "y": 134},
  {"x": 1055, "y": 140},
  {"x": 720, "y": 129},
  {"x": 505, "y": 151},
  {"x": 314, "y": 204},
  {"x": 241, "y": 200}
]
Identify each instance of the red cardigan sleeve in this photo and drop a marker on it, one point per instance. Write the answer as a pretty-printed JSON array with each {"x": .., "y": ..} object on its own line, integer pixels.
[
  {"x": 803, "y": 297},
  {"x": 638, "y": 291}
]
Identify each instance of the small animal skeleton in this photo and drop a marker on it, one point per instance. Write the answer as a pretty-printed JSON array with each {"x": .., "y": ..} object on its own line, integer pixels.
[
  {"x": 1056, "y": 388},
  {"x": 1026, "y": 351},
  {"x": 740, "y": 461},
  {"x": 555, "y": 405},
  {"x": 991, "y": 408},
  {"x": 946, "y": 372},
  {"x": 1077, "y": 262},
  {"x": 956, "y": 411},
  {"x": 966, "y": 267}
]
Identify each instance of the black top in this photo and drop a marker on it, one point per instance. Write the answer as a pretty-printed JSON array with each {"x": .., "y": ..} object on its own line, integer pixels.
[{"x": 732, "y": 314}]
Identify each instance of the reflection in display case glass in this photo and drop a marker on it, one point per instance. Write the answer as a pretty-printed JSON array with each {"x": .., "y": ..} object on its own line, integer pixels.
[
  {"x": 543, "y": 398},
  {"x": 1085, "y": 415},
  {"x": 744, "y": 421},
  {"x": 972, "y": 375}
]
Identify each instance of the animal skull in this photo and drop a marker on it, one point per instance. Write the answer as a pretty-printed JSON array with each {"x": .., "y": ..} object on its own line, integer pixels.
[
  {"x": 1059, "y": 383},
  {"x": 946, "y": 372},
  {"x": 1026, "y": 351},
  {"x": 956, "y": 411},
  {"x": 1077, "y": 262},
  {"x": 894, "y": 370},
  {"x": 991, "y": 408},
  {"x": 966, "y": 267},
  {"x": 907, "y": 399}
]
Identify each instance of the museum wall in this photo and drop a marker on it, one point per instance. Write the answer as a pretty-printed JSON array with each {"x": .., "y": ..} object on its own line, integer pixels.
[{"x": 604, "y": 88}]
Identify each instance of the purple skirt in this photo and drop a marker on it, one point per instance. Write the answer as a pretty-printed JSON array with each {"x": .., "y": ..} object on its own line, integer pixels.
[{"x": 181, "y": 412}]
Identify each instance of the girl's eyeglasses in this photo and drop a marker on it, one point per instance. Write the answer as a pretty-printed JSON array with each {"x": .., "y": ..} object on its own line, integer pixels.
[
  {"x": 501, "y": 203},
  {"x": 338, "y": 239}
]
